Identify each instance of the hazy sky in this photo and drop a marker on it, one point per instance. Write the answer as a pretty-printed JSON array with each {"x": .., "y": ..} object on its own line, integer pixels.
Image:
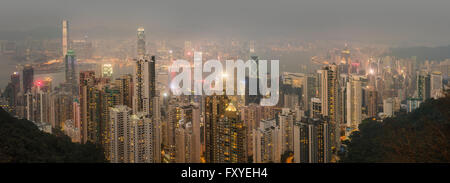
[{"x": 366, "y": 20}]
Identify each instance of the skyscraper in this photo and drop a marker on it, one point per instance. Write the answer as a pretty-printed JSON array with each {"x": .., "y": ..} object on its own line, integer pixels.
[
  {"x": 121, "y": 149},
  {"x": 125, "y": 86},
  {"x": 436, "y": 85},
  {"x": 423, "y": 85},
  {"x": 69, "y": 65},
  {"x": 144, "y": 85},
  {"x": 231, "y": 137},
  {"x": 328, "y": 82},
  {"x": 140, "y": 42},
  {"x": 87, "y": 82},
  {"x": 65, "y": 37},
  {"x": 215, "y": 106},
  {"x": 27, "y": 78},
  {"x": 354, "y": 102},
  {"x": 267, "y": 142}
]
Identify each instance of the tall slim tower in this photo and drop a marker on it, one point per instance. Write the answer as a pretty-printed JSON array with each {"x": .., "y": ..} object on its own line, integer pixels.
[
  {"x": 121, "y": 149},
  {"x": 140, "y": 42},
  {"x": 214, "y": 109},
  {"x": 65, "y": 37},
  {"x": 144, "y": 85},
  {"x": 69, "y": 64},
  {"x": 328, "y": 82},
  {"x": 423, "y": 85},
  {"x": 87, "y": 81},
  {"x": 354, "y": 102}
]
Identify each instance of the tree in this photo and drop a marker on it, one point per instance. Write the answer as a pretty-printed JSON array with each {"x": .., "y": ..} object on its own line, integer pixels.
[{"x": 420, "y": 136}]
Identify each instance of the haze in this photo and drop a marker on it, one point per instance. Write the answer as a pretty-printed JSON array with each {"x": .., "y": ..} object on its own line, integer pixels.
[{"x": 381, "y": 21}]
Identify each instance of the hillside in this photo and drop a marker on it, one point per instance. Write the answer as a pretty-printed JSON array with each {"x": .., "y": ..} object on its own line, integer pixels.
[
  {"x": 421, "y": 136},
  {"x": 22, "y": 141}
]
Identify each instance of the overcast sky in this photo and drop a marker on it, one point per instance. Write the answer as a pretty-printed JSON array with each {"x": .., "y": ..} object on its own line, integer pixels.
[{"x": 365, "y": 20}]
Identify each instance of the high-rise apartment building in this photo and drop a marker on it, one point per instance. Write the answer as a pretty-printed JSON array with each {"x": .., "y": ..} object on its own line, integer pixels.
[{"x": 144, "y": 85}]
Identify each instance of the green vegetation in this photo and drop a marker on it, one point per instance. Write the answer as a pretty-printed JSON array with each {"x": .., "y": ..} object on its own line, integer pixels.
[
  {"x": 22, "y": 141},
  {"x": 421, "y": 136}
]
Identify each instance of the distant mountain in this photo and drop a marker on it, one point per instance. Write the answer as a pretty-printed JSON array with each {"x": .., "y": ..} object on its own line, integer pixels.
[
  {"x": 422, "y": 53},
  {"x": 420, "y": 136},
  {"x": 22, "y": 142}
]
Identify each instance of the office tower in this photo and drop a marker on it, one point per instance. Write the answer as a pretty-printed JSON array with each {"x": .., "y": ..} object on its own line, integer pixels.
[
  {"x": 423, "y": 85},
  {"x": 27, "y": 78},
  {"x": 140, "y": 42},
  {"x": 267, "y": 142},
  {"x": 69, "y": 65},
  {"x": 214, "y": 110},
  {"x": 436, "y": 85},
  {"x": 144, "y": 85},
  {"x": 87, "y": 82},
  {"x": 125, "y": 86},
  {"x": 121, "y": 148},
  {"x": 354, "y": 102},
  {"x": 65, "y": 37}
]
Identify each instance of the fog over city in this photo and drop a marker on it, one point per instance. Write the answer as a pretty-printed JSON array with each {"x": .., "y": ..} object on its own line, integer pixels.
[
  {"x": 399, "y": 22},
  {"x": 225, "y": 81}
]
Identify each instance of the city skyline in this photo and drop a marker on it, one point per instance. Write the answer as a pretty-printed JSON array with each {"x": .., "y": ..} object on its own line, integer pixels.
[{"x": 315, "y": 102}]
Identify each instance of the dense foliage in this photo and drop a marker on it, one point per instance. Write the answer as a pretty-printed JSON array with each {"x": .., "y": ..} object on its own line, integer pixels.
[
  {"x": 421, "y": 136},
  {"x": 22, "y": 141}
]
